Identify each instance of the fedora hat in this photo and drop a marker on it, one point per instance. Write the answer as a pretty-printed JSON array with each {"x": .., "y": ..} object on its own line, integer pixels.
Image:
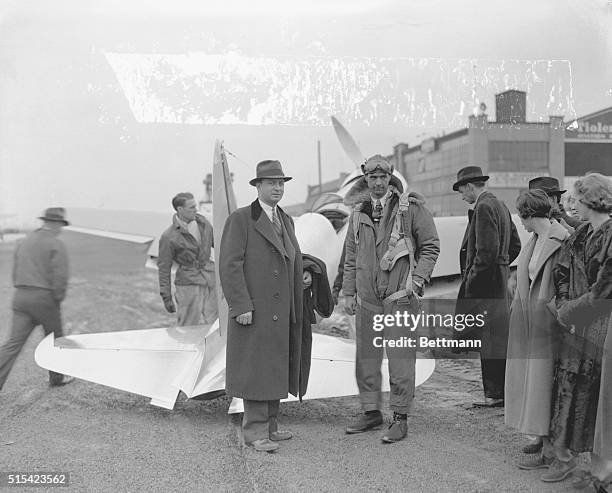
[
  {"x": 547, "y": 184},
  {"x": 269, "y": 169},
  {"x": 469, "y": 174},
  {"x": 55, "y": 214}
]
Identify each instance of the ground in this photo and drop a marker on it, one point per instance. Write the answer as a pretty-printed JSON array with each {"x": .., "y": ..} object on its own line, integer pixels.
[{"x": 114, "y": 441}]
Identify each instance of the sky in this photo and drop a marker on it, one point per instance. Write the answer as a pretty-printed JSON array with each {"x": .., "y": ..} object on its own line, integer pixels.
[{"x": 117, "y": 105}]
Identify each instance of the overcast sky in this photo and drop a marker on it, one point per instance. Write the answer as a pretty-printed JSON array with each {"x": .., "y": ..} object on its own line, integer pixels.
[{"x": 117, "y": 104}]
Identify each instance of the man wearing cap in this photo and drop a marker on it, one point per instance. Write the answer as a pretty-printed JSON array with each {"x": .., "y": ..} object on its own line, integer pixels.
[
  {"x": 262, "y": 279},
  {"x": 40, "y": 277},
  {"x": 550, "y": 185},
  {"x": 391, "y": 249},
  {"x": 188, "y": 242},
  {"x": 490, "y": 244}
]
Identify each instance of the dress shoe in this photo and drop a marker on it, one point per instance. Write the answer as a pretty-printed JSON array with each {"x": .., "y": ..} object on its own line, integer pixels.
[
  {"x": 365, "y": 422},
  {"x": 60, "y": 383},
  {"x": 532, "y": 448},
  {"x": 489, "y": 402},
  {"x": 277, "y": 436},
  {"x": 558, "y": 471},
  {"x": 396, "y": 432},
  {"x": 264, "y": 445},
  {"x": 533, "y": 463}
]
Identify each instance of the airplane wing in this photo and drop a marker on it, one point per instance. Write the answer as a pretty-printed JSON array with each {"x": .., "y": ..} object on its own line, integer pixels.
[
  {"x": 92, "y": 250},
  {"x": 158, "y": 363},
  {"x": 121, "y": 223}
]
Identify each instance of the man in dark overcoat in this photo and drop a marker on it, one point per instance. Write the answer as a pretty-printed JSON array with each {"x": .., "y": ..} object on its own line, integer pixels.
[
  {"x": 490, "y": 244},
  {"x": 261, "y": 276}
]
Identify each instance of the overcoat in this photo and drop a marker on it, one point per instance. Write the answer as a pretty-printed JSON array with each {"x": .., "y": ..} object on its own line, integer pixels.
[
  {"x": 490, "y": 244},
  {"x": 583, "y": 280},
  {"x": 602, "y": 445},
  {"x": 261, "y": 272},
  {"x": 533, "y": 336}
]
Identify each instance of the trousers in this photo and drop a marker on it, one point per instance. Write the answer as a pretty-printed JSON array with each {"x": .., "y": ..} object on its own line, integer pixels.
[
  {"x": 368, "y": 361},
  {"x": 31, "y": 307},
  {"x": 196, "y": 303},
  {"x": 259, "y": 420}
]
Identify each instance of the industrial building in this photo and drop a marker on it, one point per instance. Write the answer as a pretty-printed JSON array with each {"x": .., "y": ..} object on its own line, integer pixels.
[{"x": 510, "y": 150}]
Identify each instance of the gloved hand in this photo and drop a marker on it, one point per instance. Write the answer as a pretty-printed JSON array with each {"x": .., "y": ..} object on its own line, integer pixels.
[{"x": 169, "y": 305}]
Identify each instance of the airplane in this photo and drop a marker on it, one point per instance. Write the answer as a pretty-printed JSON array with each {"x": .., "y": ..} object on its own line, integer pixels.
[{"x": 159, "y": 363}]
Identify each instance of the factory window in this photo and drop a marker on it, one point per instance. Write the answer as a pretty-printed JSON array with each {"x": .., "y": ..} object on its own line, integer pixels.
[{"x": 517, "y": 156}]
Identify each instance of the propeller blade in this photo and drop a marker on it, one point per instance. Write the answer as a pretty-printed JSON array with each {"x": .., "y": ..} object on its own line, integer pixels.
[{"x": 348, "y": 143}]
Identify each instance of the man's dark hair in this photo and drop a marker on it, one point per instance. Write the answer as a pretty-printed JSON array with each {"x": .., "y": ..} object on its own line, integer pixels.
[
  {"x": 180, "y": 199},
  {"x": 478, "y": 184},
  {"x": 533, "y": 203}
]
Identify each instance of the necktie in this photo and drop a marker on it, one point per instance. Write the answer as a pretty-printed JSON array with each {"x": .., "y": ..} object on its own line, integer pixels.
[
  {"x": 377, "y": 212},
  {"x": 276, "y": 223}
]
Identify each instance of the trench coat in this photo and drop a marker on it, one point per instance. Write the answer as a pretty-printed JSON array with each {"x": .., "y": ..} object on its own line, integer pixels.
[
  {"x": 490, "y": 244},
  {"x": 259, "y": 272},
  {"x": 533, "y": 337}
]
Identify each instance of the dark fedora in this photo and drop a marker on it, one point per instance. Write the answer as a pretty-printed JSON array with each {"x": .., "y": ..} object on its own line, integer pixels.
[
  {"x": 547, "y": 184},
  {"x": 469, "y": 174},
  {"x": 269, "y": 169},
  {"x": 55, "y": 214}
]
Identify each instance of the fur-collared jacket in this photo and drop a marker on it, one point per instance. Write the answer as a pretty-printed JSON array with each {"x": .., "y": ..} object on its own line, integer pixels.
[{"x": 367, "y": 243}]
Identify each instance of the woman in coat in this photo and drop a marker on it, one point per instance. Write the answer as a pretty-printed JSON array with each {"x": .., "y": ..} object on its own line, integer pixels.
[
  {"x": 583, "y": 280},
  {"x": 534, "y": 329}
]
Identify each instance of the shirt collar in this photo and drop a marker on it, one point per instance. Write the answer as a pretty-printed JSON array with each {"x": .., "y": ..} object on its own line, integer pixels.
[
  {"x": 473, "y": 206},
  {"x": 383, "y": 199},
  {"x": 268, "y": 208},
  {"x": 181, "y": 222}
]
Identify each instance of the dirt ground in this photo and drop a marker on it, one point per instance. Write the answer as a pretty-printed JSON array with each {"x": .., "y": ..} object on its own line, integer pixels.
[{"x": 114, "y": 441}]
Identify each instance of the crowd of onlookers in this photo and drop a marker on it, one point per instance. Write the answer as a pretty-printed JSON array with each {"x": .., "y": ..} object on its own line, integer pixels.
[{"x": 558, "y": 386}]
